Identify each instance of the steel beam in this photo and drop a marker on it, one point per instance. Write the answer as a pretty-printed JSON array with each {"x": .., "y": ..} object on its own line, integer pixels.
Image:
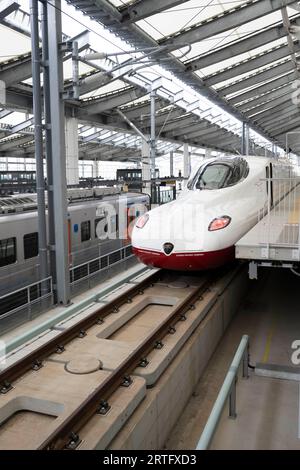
[
  {"x": 236, "y": 48},
  {"x": 272, "y": 95},
  {"x": 261, "y": 76},
  {"x": 270, "y": 106},
  {"x": 143, "y": 9},
  {"x": 221, "y": 23},
  {"x": 7, "y": 7},
  {"x": 262, "y": 89},
  {"x": 113, "y": 100},
  {"x": 250, "y": 65},
  {"x": 58, "y": 151},
  {"x": 23, "y": 125}
]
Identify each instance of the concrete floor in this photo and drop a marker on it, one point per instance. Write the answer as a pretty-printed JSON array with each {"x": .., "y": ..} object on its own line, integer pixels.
[{"x": 268, "y": 409}]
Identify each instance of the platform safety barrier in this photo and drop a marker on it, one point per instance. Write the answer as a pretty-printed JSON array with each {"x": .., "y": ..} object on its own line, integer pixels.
[
  {"x": 227, "y": 392},
  {"x": 28, "y": 300},
  {"x": 279, "y": 220}
]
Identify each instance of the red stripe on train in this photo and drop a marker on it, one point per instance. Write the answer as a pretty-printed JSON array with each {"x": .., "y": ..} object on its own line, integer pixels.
[{"x": 186, "y": 261}]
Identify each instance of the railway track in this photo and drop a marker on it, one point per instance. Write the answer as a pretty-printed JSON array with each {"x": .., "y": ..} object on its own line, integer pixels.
[{"x": 66, "y": 435}]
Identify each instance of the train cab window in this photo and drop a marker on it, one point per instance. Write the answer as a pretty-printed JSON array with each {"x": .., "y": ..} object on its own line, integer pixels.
[
  {"x": 85, "y": 231},
  {"x": 8, "y": 251},
  {"x": 220, "y": 174},
  {"x": 31, "y": 245}
]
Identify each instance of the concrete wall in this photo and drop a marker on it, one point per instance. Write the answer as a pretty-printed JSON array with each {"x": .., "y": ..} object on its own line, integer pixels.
[{"x": 152, "y": 422}]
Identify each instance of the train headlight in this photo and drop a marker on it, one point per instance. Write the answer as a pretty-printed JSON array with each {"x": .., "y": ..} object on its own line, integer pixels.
[
  {"x": 141, "y": 222},
  {"x": 219, "y": 223}
]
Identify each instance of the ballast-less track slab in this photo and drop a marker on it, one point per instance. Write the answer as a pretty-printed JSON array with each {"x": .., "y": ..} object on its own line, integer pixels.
[{"x": 75, "y": 399}]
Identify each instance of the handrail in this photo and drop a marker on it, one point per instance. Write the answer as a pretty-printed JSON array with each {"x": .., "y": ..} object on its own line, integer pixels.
[{"x": 228, "y": 390}]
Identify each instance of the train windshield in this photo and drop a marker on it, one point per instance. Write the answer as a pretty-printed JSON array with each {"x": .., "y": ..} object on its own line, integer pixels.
[{"x": 219, "y": 174}]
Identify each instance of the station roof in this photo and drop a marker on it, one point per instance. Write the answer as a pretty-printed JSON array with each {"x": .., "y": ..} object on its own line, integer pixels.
[{"x": 214, "y": 63}]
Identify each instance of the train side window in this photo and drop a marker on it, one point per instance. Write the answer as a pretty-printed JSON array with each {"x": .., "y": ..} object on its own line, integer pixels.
[
  {"x": 8, "y": 251},
  {"x": 85, "y": 231},
  {"x": 31, "y": 245}
]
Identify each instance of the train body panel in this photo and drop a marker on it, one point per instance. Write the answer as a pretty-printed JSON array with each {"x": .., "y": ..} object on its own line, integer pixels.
[
  {"x": 88, "y": 237},
  {"x": 184, "y": 234}
]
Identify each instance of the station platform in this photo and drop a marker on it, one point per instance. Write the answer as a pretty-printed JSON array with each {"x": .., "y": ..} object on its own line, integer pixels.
[
  {"x": 275, "y": 238},
  {"x": 267, "y": 406}
]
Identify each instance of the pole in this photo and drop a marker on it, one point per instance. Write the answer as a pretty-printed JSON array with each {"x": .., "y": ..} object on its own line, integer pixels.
[
  {"x": 152, "y": 133},
  {"x": 56, "y": 88},
  {"x": 48, "y": 144},
  {"x": 38, "y": 137}
]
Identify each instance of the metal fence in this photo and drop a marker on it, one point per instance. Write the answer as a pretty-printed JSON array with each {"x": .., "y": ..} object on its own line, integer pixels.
[
  {"x": 89, "y": 269},
  {"x": 279, "y": 221},
  {"x": 26, "y": 301}
]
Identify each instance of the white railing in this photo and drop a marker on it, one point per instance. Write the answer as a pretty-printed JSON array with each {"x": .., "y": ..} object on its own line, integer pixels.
[
  {"x": 279, "y": 220},
  {"x": 89, "y": 269},
  {"x": 25, "y": 297},
  {"x": 226, "y": 394}
]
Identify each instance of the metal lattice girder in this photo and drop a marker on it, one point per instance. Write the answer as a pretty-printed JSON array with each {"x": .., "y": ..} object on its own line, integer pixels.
[
  {"x": 7, "y": 7},
  {"x": 115, "y": 99},
  {"x": 261, "y": 60},
  {"x": 268, "y": 96},
  {"x": 226, "y": 21},
  {"x": 261, "y": 76},
  {"x": 235, "y": 48},
  {"x": 262, "y": 89},
  {"x": 144, "y": 8}
]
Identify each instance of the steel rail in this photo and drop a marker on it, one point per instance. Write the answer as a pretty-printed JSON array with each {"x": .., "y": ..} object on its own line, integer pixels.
[
  {"x": 33, "y": 360},
  {"x": 66, "y": 434}
]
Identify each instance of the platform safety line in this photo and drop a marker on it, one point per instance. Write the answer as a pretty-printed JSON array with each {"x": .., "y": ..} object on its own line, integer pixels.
[{"x": 268, "y": 345}]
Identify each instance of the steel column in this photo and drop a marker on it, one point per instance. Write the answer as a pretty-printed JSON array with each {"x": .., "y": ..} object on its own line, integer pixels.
[
  {"x": 58, "y": 151},
  {"x": 48, "y": 143},
  {"x": 245, "y": 139},
  {"x": 152, "y": 131},
  {"x": 38, "y": 136},
  {"x": 186, "y": 160},
  {"x": 172, "y": 163}
]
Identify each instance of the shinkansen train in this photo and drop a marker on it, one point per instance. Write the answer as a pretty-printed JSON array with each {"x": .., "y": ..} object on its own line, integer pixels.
[
  {"x": 198, "y": 231},
  {"x": 92, "y": 213}
]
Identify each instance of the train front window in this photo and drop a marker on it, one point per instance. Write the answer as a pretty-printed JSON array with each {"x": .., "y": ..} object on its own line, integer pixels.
[
  {"x": 219, "y": 174},
  {"x": 31, "y": 245},
  {"x": 214, "y": 177},
  {"x": 8, "y": 251}
]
